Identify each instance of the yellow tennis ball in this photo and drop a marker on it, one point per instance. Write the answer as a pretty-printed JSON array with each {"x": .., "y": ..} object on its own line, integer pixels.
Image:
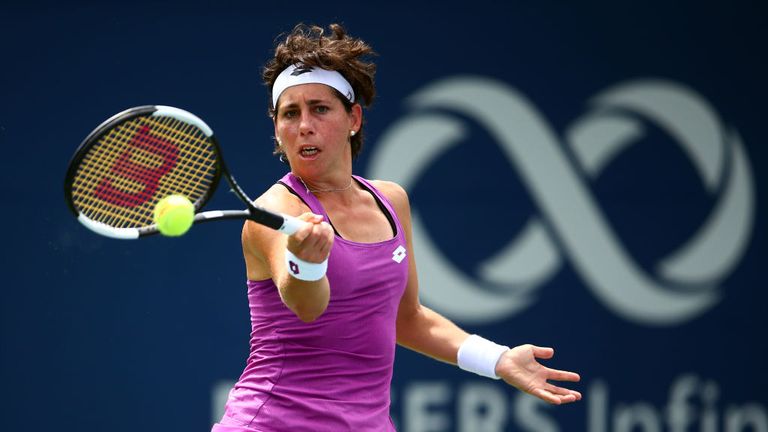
[{"x": 174, "y": 215}]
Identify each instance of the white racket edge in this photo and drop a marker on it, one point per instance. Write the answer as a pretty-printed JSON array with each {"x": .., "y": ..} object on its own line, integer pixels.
[
  {"x": 108, "y": 231},
  {"x": 290, "y": 226},
  {"x": 184, "y": 116}
]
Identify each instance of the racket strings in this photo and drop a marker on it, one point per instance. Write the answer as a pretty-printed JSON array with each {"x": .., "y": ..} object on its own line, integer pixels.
[
  {"x": 136, "y": 163},
  {"x": 148, "y": 180},
  {"x": 101, "y": 165}
]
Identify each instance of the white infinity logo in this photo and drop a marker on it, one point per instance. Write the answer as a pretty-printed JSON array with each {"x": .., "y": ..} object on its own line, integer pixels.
[{"x": 561, "y": 194}]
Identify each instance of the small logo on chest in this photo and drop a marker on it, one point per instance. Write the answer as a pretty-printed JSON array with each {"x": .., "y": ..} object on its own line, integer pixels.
[{"x": 399, "y": 254}]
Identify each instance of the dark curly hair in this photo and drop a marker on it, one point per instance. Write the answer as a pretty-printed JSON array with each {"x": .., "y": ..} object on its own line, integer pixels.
[{"x": 308, "y": 45}]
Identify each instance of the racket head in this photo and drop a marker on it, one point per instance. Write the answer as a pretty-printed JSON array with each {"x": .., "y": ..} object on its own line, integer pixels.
[{"x": 133, "y": 160}]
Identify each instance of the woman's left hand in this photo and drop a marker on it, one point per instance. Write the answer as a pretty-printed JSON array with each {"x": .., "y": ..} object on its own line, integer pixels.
[{"x": 518, "y": 367}]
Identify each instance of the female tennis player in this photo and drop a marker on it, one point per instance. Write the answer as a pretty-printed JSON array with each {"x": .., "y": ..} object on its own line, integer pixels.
[{"x": 329, "y": 303}]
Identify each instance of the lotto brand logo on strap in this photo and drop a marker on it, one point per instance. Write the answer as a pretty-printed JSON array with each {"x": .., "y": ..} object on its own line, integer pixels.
[
  {"x": 301, "y": 70},
  {"x": 505, "y": 283},
  {"x": 399, "y": 254},
  {"x": 307, "y": 271},
  {"x": 293, "y": 267}
]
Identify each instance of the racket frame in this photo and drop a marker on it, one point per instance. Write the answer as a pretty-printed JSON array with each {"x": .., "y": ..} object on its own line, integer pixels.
[{"x": 282, "y": 223}]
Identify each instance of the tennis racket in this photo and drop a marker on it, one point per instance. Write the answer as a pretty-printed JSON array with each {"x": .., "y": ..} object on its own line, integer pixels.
[{"x": 141, "y": 155}]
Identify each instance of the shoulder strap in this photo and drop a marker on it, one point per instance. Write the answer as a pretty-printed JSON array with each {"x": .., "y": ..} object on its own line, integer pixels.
[
  {"x": 384, "y": 204},
  {"x": 296, "y": 187}
]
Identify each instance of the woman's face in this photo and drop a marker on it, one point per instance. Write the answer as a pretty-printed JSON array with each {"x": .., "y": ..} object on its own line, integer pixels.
[{"x": 314, "y": 128}]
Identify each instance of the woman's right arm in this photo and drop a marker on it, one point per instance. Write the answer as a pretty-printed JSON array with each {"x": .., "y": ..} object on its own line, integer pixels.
[{"x": 264, "y": 250}]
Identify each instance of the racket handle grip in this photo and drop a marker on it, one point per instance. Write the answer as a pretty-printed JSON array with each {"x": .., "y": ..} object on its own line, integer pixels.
[{"x": 291, "y": 225}]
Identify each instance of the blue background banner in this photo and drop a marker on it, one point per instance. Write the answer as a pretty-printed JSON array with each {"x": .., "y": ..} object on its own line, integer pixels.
[{"x": 585, "y": 176}]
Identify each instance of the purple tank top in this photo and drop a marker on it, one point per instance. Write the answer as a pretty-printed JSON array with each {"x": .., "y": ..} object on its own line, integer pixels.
[{"x": 333, "y": 374}]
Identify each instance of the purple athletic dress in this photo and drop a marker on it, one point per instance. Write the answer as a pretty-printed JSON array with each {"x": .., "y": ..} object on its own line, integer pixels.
[{"x": 333, "y": 374}]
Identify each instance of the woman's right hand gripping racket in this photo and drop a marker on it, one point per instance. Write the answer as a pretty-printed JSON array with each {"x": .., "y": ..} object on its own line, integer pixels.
[{"x": 141, "y": 155}]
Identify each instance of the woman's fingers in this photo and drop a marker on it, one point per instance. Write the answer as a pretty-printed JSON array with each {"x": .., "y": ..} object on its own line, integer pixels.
[
  {"x": 313, "y": 241},
  {"x": 557, "y": 398},
  {"x": 562, "y": 391},
  {"x": 560, "y": 375},
  {"x": 543, "y": 352}
]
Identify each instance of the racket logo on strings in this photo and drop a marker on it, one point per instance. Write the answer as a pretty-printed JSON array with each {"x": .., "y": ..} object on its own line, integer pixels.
[{"x": 126, "y": 167}]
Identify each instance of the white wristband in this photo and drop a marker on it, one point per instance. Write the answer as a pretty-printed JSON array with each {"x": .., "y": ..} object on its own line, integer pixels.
[
  {"x": 304, "y": 270},
  {"x": 480, "y": 356}
]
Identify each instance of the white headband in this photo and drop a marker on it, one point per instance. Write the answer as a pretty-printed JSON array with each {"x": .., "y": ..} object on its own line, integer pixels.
[{"x": 299, "y": 74}]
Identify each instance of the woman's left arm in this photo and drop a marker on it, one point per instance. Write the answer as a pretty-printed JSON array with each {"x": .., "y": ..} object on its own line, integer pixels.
[
  {"x": 423, "y": 330},
  {"x": 418, "y": 327}
]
